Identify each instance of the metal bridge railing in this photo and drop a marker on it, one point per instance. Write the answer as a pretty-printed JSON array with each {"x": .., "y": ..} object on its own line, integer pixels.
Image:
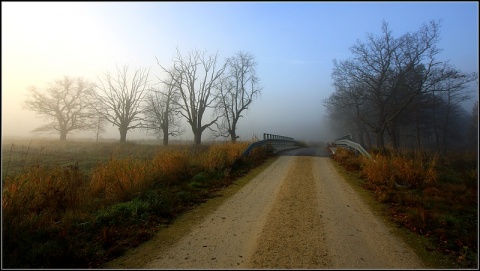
[
  {"x": 270, "y": 136},
  {"x": 348, "y": 137},
  {"x": 276, "y": 141},
  {"x": 352, "y": 145}
]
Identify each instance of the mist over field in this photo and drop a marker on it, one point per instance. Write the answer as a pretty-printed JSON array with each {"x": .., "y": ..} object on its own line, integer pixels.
[{"x": 293, "y": 45}]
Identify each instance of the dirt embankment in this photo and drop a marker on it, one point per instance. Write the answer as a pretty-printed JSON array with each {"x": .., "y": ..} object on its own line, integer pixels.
[{"x": 297, "y": 213}]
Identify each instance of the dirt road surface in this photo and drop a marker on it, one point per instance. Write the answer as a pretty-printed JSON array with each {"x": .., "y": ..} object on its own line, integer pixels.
[{"x": 297, "y": 213}]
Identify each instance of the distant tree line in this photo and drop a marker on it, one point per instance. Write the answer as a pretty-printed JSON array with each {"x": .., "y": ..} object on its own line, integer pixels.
[
  {"x": 396, "y": 92},
  {"x": 128, "y": 100}
]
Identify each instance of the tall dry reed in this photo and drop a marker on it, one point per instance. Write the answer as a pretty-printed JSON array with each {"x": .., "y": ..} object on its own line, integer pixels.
[{"x": 119, "y": 180}]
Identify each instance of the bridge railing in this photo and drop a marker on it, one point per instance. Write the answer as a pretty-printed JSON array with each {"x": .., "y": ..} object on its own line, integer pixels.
[
  {"x": 277, "y": 142},
  {"x": 348, "y": 137},
  {"x": 352, "y": 145},
  {"x": 270, "y": 136}
]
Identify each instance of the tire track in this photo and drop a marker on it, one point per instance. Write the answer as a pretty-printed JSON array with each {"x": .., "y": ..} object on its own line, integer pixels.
[
  {"x": 225, "y": 238},
  {"x": 293, "y": 234}
]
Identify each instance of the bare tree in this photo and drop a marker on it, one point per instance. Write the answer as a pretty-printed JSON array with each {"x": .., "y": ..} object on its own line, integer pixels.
[
  {"x": 65, "y": 103},
  {"x": 387, "y": 73},
  {"x": 237, "y": 90},
  {"x": 447, "y": 98},
  {"x": 99, "y": 126},
  {"x": 196, "y": 95},
  {"x": 120, "y": 100},
  {"x": 161, "y": 112},
  {"x": 346, "y": 113}
]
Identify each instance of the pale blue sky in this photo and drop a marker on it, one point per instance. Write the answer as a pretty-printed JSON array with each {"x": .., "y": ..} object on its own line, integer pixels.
[{"x": 294, "y": 44}]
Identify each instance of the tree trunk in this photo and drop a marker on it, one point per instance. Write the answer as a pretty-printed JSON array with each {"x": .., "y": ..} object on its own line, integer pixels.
[
  {"x": 197, "y": 138},
  {"x": 233, "y": 137},
  {"x": 233, "y": 134},
  {"x": 123, "y": 135},
  {"x": 98, "y": 130},
  {"x": 361, "y": 139},
  {"x": 393, "y": 136},
  {"x": 165, "y": 137},
  {"x": 417, "y": 134},
  {"x": 380, "y": 141},
  {"x": 446, "y": 129},
  {"x": 369, "y": 139},
  {"x": 63, "y": 135}
]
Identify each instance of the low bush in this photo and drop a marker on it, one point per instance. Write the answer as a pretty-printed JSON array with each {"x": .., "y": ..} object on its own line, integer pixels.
[{"x": 123, "y": 213}]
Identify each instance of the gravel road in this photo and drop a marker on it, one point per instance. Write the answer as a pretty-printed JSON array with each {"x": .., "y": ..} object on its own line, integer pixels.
[{"x": 297, "y": 213}]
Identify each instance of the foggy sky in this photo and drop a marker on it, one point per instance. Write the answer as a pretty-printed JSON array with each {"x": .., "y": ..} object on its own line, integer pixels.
[{"x": 294, "y": 44}]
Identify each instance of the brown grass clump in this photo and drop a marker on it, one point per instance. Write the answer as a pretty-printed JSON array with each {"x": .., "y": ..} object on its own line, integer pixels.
[
  {"x": 38, "y": 207},
  {"x": 377, "y": 170},
  {"x": 42, "y": 191},
  {"x": 171, "y": 166},
  {"x": 399, "y": 169},
  {"x": 119, "y": 180},
  {"x": 347, "y": 159},
  {"x": 222, "y": 156}
]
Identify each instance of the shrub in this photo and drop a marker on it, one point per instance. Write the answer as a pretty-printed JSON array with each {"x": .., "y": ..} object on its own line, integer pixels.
[
  {"x": 200, "y": 180},
  {"x": 124, "y": 212}
]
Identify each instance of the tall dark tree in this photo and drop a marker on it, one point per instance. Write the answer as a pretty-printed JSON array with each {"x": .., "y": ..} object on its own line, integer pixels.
[
  {"x": 120, "y": 100},
  {"x": 473, "y": 131},
  {"x": 196, "y": 78},
  {"x": 65, "y": 103},
  {"x": 237, "y": 90},
  {"x": 447, "y": 108},
  {"x": 386, "y": 74}
]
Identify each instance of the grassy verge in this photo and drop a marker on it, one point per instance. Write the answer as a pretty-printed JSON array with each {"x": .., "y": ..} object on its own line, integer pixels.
[
  {"x": 169, "y": 234},
  {"x": 432, "y": 200},
  {"x": 66, "y": 216}
]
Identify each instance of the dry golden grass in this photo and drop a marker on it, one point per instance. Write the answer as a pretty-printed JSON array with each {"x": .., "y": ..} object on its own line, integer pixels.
[
  {"x": 222, "y": 156},
  {"x": 414, "y": 172},
  {"x": 120, "y": 180},
  {"x": 171, "y": 166},
  {"x": 428, "y": 194},
  {"x": 52, "y": 215},
  {"x": 43, "y": 191}
]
